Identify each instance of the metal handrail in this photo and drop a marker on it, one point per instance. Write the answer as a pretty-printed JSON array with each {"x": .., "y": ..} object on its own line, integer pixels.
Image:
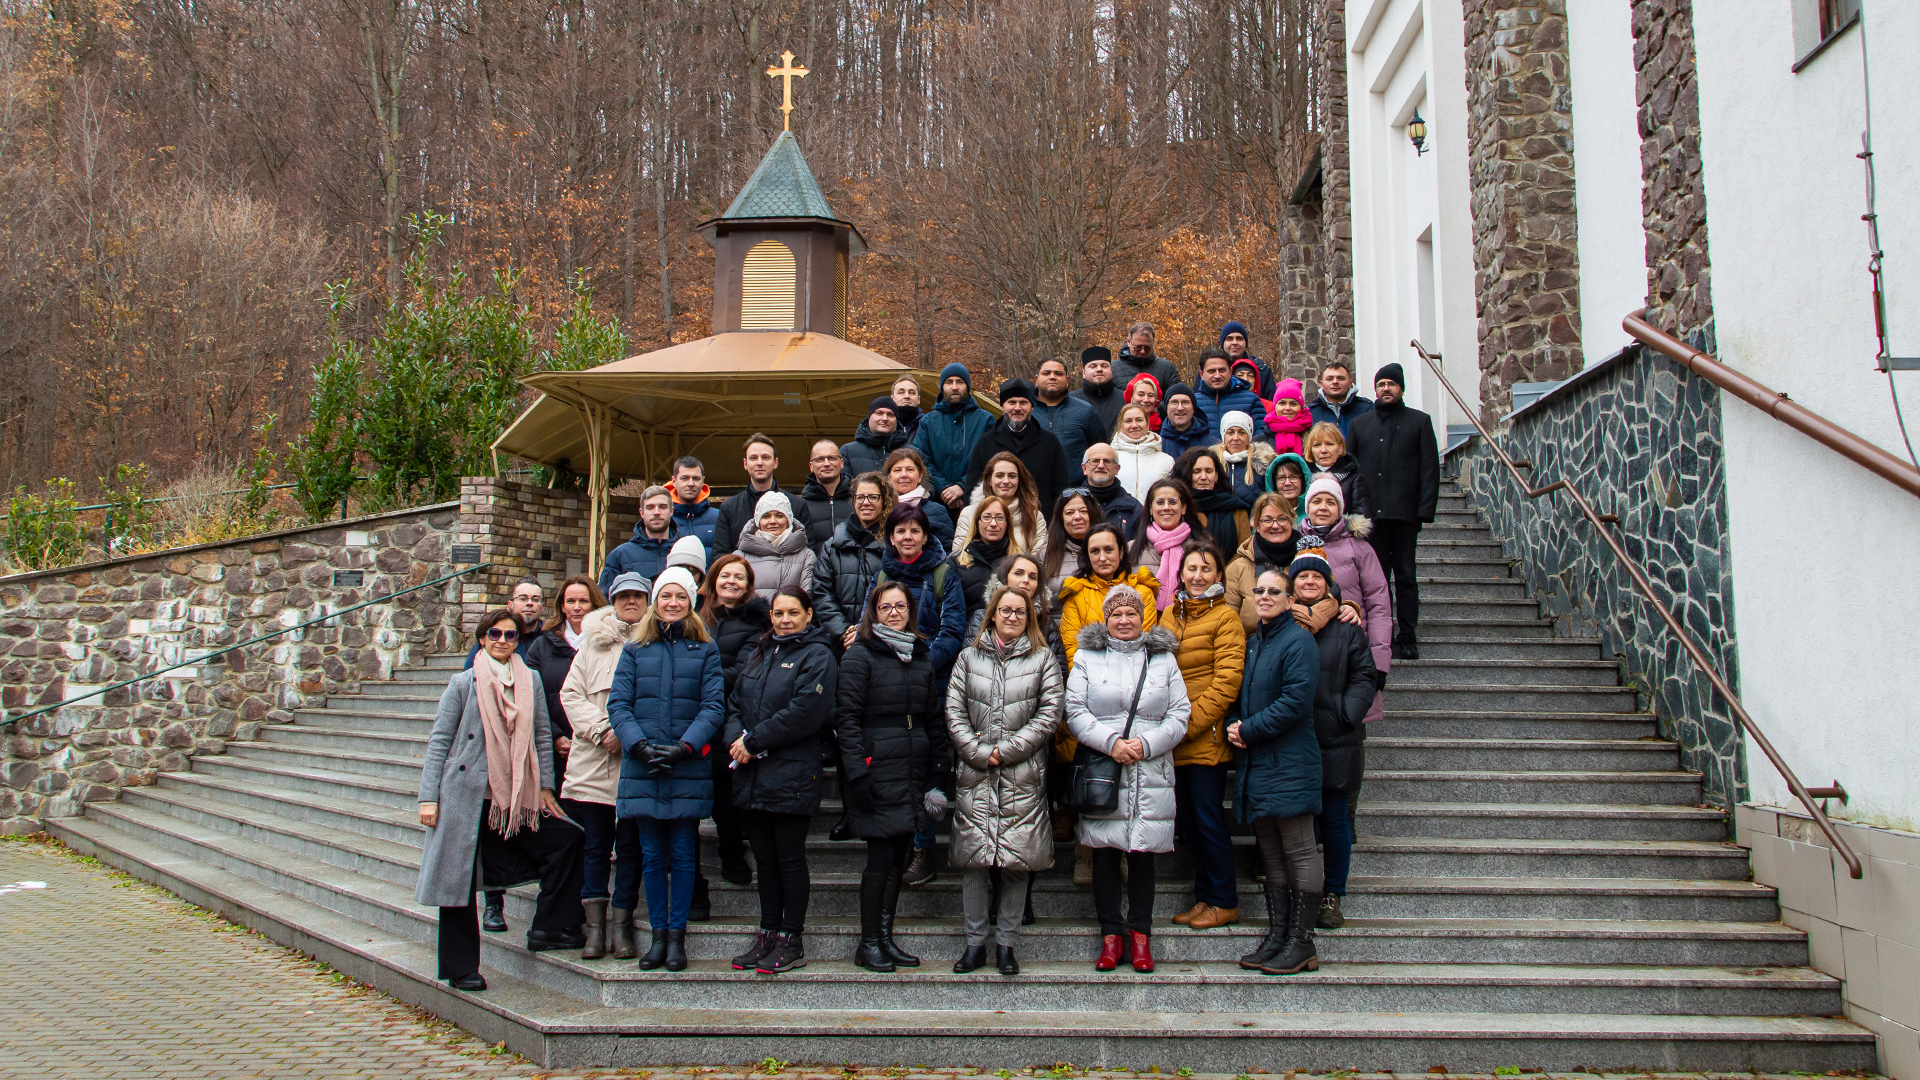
[
  {"x": 1775, "y": 404},
  {"x": 198, "y": 660},
  {"x": 1807, "y": 796}
]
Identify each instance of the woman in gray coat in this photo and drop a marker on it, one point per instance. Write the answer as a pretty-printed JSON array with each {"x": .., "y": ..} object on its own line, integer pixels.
[
  {"x": 1126, "y": 683},
  {"x": 1003, "y": 703},
  {"x": 486, "y": 798}
]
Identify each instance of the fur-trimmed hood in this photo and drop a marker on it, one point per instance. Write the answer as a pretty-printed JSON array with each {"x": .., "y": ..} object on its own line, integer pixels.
[
  {"x": 1094, "y": 636},
  {"x": 602, "y": 630},
  {"x": 1360, "y": 526}
]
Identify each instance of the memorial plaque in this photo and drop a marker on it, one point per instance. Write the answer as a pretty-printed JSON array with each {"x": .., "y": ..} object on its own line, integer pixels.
[
  {"x": 349, "y": 579},
  {"x": 466, "y": 554}
]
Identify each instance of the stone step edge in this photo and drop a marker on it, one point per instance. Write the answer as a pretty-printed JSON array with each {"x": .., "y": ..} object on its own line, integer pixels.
[
  {"x": 330, "y": 776},
  {"x": 526, "y": 1016}
]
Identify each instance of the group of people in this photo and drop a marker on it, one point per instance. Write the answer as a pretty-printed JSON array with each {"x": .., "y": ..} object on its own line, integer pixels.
[{"x": 1020, "y": 631}]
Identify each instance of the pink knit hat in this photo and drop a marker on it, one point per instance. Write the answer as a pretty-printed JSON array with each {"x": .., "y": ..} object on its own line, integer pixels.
[{"x": 1291, "y": 388}]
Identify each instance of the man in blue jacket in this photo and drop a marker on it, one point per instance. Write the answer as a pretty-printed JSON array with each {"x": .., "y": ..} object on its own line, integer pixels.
[
  {"x": 947, "y": 434},
  {"x": 693, "y": 515},
  {"x": 1235, "y": 343},
  {"x": 1219, "y": 393},
  {"x": 1068, "y": 418},
  {"x": 1339, "y": 402},
  {"x": 653, "y": 537}
]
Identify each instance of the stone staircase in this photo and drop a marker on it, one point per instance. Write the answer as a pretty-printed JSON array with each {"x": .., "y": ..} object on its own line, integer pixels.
[{"x": 1536, "y": 884}]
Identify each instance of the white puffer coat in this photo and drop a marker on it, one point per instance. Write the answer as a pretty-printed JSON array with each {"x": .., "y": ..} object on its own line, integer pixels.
[
  {"x": 1099, "y": 689},
  {"x": 1006, "y": 700}
]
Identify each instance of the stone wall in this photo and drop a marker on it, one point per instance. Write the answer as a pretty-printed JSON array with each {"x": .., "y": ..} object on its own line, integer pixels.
[
  {"x": 1673, "y": 194},
  {"x": 527, "y": 531},
  {"x": 64, "y": 632},
  {"x": 1520, "y": 169},
  {"x": 1639, "y": 438},
  {"x": 1304, "y": 332},
  {"x": 1336, "y": 181}
]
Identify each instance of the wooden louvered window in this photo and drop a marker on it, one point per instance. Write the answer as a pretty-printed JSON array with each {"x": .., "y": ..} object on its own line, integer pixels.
[
  {"x": 767, "y": 287},
  {"x": 840, "y": 294}
]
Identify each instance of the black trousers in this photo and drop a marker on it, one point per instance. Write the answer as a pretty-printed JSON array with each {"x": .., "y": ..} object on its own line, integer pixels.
[
  {"x": 1138, "y": 888},
  {"x": 886, "y": 855},
  {"x": 555, "y": 851},
  {"x": 779, "y": 843},
  {"x": 1394, "y": 543},
  {"x": 726, "y": 816}
]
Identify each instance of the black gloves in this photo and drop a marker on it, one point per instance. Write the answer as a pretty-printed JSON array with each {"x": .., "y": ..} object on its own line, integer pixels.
[
  {"x": 661, "y": 757},
  {"x": 1379, "y": 679},
  {"x": 859, "y": 794}
]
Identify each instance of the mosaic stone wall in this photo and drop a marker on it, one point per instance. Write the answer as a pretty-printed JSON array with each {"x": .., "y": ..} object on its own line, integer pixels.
[
  {"x": 65, "y": 632},
  {"x": 1640, "y": 438}
]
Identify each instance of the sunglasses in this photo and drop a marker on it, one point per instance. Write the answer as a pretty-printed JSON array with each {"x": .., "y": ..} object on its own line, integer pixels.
[
  {"x": 1268, "y": 590},
  {"x": 497, "y": 634}
]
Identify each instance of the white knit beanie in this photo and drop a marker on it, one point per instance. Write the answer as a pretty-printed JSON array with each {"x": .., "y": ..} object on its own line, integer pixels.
[
  {"x": 1330, "y": 484},
  {"x": 690, "y": 552},
  {"x": 771, "y": 501},
  {"x": 676, "y": 575},
  {"x": 1236, "y": 419}
]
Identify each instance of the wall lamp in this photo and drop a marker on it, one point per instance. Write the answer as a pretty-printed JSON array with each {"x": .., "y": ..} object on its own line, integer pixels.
[{"x": 1417, "y": 131}]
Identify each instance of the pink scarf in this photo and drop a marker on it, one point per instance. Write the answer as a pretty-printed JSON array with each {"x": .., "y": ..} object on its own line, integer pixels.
[
  {"x": 513, "y": 774},
  {"x": 1287, "y": 432},
  {"x": 1167, "y": 542}
]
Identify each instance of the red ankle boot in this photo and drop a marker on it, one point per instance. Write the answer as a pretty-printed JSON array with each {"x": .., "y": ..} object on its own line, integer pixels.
[
  {"x": 1113, "y": 949},
  {"x": 1142, "y": 950}
]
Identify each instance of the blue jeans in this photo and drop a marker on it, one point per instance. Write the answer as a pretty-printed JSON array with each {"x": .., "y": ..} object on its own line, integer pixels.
[
  {"x": 1198, "y": 792},
  {"x": 1336, "y": 837},
  {"x": 667, "y": 850},
  {"x": 611, "y": 849}
]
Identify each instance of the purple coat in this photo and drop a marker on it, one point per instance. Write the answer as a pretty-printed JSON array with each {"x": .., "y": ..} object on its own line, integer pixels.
[{"x": 1356, "y": 569}]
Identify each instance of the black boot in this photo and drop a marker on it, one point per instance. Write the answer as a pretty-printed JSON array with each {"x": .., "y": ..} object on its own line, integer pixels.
[
  {"x": 677, "y": 950},
  {"x": 972, "y": 958},
  {"x": 657, "y": 953},
  {"x": 889, "y": 904},
  {"x": 789, "y": 952},
  {"x": 1299, "y": 954},
  {"x": 872, "y": 953},
  {"x": 736, "y": 870},
  {"x": 1279, "y": 905},
  {"x": 494, "y": 919},
  {"x": 701, "y": 908},
  {"x": 763, "y": 941},
  {"x": 1003, "y": 958}
]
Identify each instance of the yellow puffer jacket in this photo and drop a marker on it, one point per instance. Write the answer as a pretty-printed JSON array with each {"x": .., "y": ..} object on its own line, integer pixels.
[
  {"x": 1212, "y": 655},
  {"x": 1079, "y": 601}
]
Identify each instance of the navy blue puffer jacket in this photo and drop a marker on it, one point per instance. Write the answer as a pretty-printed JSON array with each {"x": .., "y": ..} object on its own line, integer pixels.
[
  {"x": 1279, "y": 771},
  {"x": 669, "y": 690}
]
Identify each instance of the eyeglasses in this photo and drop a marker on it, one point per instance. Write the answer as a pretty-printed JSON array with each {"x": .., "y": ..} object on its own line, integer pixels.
[
  {"x": 494, "y": 633},
  {"x": 1103, "y": 461},
  {"x": 823, "y": 459},
  {"x": 996, "y": 519},
  {"x": 1268, "y": 590},
  {"x": 896, "y": 608},
  {"x": 1273, "y": 522},
  {"x": 866, "y": 498},
  {"x": 1011, "y": 612}
]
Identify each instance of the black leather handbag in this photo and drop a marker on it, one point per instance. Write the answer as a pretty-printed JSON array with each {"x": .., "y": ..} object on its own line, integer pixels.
[{"x": 1093, "y": 787}]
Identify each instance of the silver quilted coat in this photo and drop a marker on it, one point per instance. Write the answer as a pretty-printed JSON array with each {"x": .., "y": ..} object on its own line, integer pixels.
[
  {"x": 1099, "y": 689},
  {"x": 1007, "y": 700}
]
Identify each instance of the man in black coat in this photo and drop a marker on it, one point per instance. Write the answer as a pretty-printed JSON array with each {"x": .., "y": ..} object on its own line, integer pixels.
[
  {"x": 1097, "y": 388},
  {"x": 1070, "y": 419},
  {"x": 1017, "y": 433},
  {"x": 1398, "y": 454},
  {"x": 877, "y": 436},
  {"x": 1138, "y": 358},
  {"x": 760, "y": 459},
  {"x": 828, "y": 494},
  {"x": 1102, "y": 467}
]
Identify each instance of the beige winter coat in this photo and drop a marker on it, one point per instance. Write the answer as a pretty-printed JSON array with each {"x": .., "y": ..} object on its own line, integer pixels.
[{"x": 593, "y": 773}]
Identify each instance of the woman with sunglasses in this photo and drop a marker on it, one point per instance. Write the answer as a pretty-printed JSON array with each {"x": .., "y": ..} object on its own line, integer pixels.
[
  {"x": 487, "y": 801},
  {"x": 882, "y": 719}
]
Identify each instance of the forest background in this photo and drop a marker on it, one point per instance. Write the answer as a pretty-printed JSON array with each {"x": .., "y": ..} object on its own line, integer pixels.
[{"x": 202, "y": 201}]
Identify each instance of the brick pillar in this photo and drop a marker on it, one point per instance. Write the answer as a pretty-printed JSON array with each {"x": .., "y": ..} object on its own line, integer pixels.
[
  {"x": 527, "y": 531},
  {"x": 1673, "y": 192},
  {"x": 1520, "y": 170},
  {"x": 1336, "y": 183}
]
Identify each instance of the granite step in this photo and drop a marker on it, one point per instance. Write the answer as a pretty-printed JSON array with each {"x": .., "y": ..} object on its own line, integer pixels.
[
  {"x": 1541, "y": 821},
  {"x": 1441, "y": 546},
  {"x": 313, "y": 779},
  {"x": 577, "y": 1030},
  {"x": 1660, "y": 788},
  {"x": 1488, "y": 671},
  {"x": 350, "y": 720},
  {"x": 363, "y": 764},
  {"x": 1470, "y": 570},
  {"x": 1512, "y": 648},
  {"x": 1450, "y": 629},
  {"x": 1515, "y": 697},
  {"x": 1516, "y": 608},
  {"x": 405, "y": 691},
  {"x": 348, "y": 740},
  {"x": 1477, "y": 724},
  {"x": 1450, "y": 589},
  {"x": 400, "y": 825},
  {"x": 413, "y": 704},
  {"x": 1511, "y": 755}
]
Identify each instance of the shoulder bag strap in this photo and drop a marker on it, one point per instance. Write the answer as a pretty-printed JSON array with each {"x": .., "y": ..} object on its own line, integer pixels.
[{"x": 1137, "y": 687}]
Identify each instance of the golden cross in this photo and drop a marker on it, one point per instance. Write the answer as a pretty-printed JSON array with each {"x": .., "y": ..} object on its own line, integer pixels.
[{"x": 785, "y": 74}]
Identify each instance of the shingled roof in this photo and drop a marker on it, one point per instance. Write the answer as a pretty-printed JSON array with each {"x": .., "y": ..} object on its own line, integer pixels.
[{"x": 782, "y": 187}]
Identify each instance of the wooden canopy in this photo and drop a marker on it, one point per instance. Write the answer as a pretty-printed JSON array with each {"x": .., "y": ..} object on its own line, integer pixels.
[{"x": 633, "y": 418}]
